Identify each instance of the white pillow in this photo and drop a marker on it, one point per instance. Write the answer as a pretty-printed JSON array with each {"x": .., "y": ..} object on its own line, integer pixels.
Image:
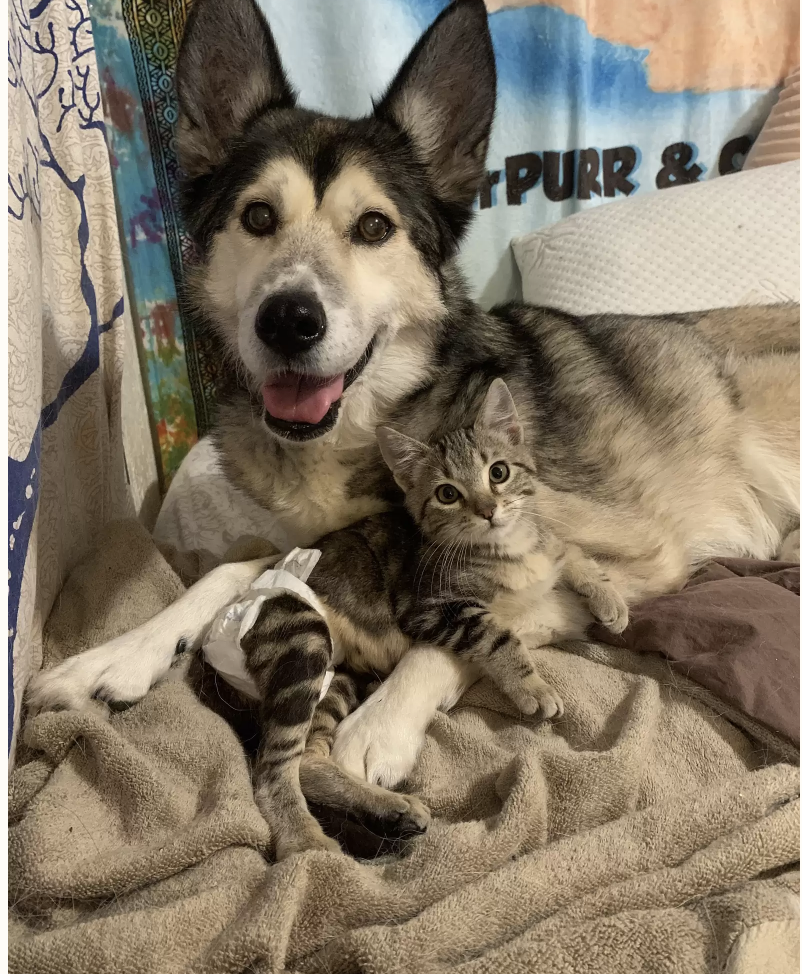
[{"x": 730, "y": 241}]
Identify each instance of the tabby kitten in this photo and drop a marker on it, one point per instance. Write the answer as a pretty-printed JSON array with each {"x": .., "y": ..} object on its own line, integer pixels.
[
  {"x": 493, "y": 568},
  {"x": 469, "y": 566}
]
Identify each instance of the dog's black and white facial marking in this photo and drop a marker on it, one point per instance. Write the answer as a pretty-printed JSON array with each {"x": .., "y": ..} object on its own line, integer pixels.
[{"x": 323, "y": 238}]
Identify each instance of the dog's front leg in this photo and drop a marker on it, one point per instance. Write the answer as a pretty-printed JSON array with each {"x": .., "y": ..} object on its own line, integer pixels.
[
  {"x": 124, "y": 669},
  {"x": 381, "y": 740}
]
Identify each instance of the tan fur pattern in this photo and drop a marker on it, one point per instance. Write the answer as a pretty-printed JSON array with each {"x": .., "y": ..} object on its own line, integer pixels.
[{"x": 751, "y": 331}]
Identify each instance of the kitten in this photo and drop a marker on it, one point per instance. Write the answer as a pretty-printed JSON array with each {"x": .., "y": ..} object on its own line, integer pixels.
[
  {"x": 468, "y": 566},
  {"x": 507, "y": 574}
]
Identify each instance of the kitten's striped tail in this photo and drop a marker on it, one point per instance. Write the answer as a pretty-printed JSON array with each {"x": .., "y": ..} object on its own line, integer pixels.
[{"x": 287, "y": 652}]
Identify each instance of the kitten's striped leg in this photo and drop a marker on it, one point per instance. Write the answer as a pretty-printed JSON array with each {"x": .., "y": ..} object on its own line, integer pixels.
[
  {"x": 287, "y": 653},
  {"x": 325, "y": 783},
  {"x": 468, "y": 628},
  {"x": 586, "y": 577}
]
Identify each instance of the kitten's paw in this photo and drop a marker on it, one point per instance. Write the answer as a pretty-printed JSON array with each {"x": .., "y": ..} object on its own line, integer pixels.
[
  {"x": 534, "y": 697},
  {"x": 417, "y": 817},
  {"x": 393, "y": 814},
  {"x": 377, "y": 744},
  {"x": 610, "y": 609},
  {"x": 412, "y": 816}
]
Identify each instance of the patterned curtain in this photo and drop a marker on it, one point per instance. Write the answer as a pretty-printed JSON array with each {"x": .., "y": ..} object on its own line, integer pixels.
[
  {"x": 66, "y": 469},
  {"x": 137, "y": 42}
]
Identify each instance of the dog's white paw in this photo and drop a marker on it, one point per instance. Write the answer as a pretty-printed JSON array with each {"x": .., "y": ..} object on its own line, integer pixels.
[
  {"x": 378, "y": 744},
  {"x": 124, "y": 669},
  {"x": 121, "y": 671}
]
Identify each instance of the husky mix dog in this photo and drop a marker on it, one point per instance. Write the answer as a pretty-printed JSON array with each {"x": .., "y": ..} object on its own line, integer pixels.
[{"x": 327, "y": 268}]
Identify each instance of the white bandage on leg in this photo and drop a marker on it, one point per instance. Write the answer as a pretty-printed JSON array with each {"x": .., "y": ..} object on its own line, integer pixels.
[{"x": 222, "y": 647}]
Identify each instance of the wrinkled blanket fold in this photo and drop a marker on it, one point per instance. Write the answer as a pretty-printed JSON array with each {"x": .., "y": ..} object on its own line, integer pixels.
[
  {"x": 734, "y": 628},
  {"x": 654, "y": 828}
]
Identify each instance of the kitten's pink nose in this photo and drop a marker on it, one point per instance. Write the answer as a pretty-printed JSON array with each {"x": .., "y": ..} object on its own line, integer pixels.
[{"x": 487, "y": 511}]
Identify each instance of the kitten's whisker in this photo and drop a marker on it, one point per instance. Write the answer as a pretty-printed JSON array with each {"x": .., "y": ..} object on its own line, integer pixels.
[
  {"x": 473, "y": 589},
  {"x": 434, "y": 550},
  {"x": 544, "y": 517},
  {"x": 438, "y": 568},
  {"x": 462, "y": 564},
  {"x": 465, "y": 569},
  {"x": 531, "y": 524},
  {"x": 445, "y": 565},
  {"x": 455, "y": 566},
  {"x": 454, "y": 553}
]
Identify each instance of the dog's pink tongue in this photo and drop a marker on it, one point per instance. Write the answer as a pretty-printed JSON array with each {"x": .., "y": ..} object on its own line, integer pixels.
[{"x": 301, "y": 399}]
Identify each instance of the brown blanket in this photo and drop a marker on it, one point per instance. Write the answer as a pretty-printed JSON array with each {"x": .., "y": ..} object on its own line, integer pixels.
[
  {"x": 653, "y": 829},
  {"x": 734, "y": 628}
]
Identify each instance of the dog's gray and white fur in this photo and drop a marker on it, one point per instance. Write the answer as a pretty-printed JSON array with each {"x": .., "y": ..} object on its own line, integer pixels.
[{"x": 659, "y": 442}]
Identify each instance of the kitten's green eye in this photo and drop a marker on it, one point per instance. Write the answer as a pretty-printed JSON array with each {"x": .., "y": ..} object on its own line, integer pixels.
[
  {"x": 499, "y": 472},
  {"x": 447, "y": 494}
]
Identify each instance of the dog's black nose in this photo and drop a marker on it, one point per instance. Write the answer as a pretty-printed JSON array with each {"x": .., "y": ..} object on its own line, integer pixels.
[{"x": 291, "y": 322}]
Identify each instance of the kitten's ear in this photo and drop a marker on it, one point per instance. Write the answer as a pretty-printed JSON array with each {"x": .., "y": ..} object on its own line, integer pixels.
[
  {"x": 443, "y": 99},
  {"x": 400, "y": 453},
  {"x": 499, "y": 415},
  {"x": 228, "y": 70}
]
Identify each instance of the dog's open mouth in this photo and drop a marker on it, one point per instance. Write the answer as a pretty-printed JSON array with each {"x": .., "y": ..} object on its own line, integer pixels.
[{"x": 302, "y": 407}]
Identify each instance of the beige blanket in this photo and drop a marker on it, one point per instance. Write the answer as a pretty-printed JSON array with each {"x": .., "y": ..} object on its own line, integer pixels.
[{"x": 643, "y": 832}]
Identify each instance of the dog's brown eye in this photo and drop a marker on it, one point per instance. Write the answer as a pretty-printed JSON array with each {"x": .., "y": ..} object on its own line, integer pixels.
[
  {"x": 447, "y": 494},
  {"x": 373, "y": 227},
  {"x": 499, "y": 472},
  {"x": 259, "y": 219}
]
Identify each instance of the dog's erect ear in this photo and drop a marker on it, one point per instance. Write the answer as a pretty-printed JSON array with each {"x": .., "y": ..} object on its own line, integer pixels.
[
  {"x": 228, "y": 71},
  {"x": 401, "y": 454},
  {"x": 444, "y": 97},
  {"x": 499, "y": 415}
]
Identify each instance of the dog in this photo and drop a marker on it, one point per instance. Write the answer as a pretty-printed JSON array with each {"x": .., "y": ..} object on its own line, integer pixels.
[{"x": 326, "y": 267}]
